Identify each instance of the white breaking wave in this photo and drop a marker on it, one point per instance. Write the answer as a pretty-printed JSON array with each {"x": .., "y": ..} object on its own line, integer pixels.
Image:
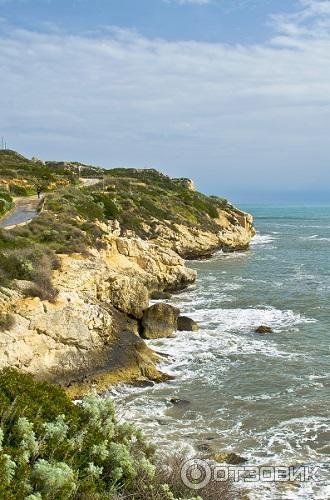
[
  {"x": 263, "y": 239},
  {"x": 245, "y": 320}
]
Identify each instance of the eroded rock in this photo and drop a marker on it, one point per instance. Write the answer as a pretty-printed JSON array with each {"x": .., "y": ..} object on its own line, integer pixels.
[
  {"x": 186, "y": 324},
  {"x": 159, "y": 295},
  {"x": 159, "y": 320},
  {"x": 90, "y": 335}
]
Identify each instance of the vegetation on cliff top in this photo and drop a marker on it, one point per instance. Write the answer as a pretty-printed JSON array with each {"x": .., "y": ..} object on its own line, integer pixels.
[
  {"x": 22, "y": 177},
  {"x": 51, "y": 448},
  {"x": 139, "y": 199}
]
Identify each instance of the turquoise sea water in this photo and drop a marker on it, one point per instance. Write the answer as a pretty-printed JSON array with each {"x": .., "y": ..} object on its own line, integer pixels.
[{"x": 265, "y": 397}]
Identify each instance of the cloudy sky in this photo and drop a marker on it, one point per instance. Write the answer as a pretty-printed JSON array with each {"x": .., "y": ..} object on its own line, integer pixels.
[{"x": 234, "y": 93}]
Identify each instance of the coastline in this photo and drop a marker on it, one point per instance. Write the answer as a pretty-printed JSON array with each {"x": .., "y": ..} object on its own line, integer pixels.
[
  {"x": 263, "y": 397},
  {"x": 82, "y": 339}
]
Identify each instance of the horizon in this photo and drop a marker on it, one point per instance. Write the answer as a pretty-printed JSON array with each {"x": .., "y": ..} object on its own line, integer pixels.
[
  {"x": 235, "y": 97},
  {"x": 262, "y": 198}
]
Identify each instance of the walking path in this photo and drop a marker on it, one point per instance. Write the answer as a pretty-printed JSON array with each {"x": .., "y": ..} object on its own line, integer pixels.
[{"x": 25, "y": 210}]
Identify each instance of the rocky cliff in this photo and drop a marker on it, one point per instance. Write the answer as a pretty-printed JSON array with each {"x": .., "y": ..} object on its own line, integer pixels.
[
  {"x": 76, "y": 281},
  {"x": 232, "y": 230},
  {"x": 91, "y": 333}
]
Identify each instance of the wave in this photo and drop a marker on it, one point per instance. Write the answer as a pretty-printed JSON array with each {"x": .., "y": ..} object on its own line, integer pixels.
[
  {"x": 315, "y": 237},
  {"x": 245, "y": 320},
  {"x": 263, "y": 239}
]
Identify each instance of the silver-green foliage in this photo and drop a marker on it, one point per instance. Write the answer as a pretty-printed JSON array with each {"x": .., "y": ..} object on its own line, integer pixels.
[{"x": 56, "y": 460}]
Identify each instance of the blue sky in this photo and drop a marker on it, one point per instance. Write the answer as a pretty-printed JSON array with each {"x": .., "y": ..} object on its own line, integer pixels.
[
  {"x": 235, "y": 94},
  {"x": 215, "y": 21}
]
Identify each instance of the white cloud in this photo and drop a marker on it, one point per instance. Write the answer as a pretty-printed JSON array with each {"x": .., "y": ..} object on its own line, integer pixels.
[{"x": 251, "y": 116}]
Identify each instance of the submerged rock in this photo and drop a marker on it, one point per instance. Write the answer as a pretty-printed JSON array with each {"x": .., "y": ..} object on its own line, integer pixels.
[
  {"x": 186, "y": 324},
  {"x": 264, "y": 329},
  {"x": 229, "y": 458},
  {"x": 204, "y": 448},
  {"x": 159, "y": 321},
  {"x": 179, "y": 402}
]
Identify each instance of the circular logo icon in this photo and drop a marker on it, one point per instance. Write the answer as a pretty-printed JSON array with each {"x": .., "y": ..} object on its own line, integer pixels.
[{"x": 196, "y": 474}]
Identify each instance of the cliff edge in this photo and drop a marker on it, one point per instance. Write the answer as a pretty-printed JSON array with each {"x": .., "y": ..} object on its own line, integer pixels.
[{"x": 75, "y": 281}]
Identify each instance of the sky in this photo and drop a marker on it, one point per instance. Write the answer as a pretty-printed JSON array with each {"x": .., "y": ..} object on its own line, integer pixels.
[{"x": 232, "y": 93}]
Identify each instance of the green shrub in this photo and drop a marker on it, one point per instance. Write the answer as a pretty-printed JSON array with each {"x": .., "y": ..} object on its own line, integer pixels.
[
  {"x": 7, "y": 321},
  {"x": 32, "y": 264},
  {"x": 53, "y": 449},
  {"x": 110, "y": 208},
  {"x": 6, "y": 202},
  {"x": 21, "y": 190}
]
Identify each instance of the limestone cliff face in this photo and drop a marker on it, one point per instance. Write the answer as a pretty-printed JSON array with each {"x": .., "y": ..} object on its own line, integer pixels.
[
  {"x": 231, "y": 231},
  {"x": 91, "y": 333}
]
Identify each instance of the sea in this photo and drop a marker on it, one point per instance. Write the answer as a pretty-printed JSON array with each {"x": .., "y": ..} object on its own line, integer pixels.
[{"x": 264, "y": 397}]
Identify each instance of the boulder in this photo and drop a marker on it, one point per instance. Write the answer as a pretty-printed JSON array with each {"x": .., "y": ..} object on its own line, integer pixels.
[
  {"x": 229, "y": 458},
  {"x": 158, "y": 295},
  {"x": 159, "y": 321},
  {"x": 264, "y": 329},
  {"x": 186, "y": 324}
]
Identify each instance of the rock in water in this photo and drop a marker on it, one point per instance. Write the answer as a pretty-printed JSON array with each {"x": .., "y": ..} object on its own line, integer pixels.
[
  {"x": 229, "y": 458},
  {"x": 159, "y": 320},
  {"x": 264, "y": 329},
  {"x": 179, "y": 402},
  {"x": 186, "y": 324}
]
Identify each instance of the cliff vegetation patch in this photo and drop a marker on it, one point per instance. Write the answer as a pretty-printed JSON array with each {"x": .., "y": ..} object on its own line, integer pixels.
[{"x": 51, "y": 448}]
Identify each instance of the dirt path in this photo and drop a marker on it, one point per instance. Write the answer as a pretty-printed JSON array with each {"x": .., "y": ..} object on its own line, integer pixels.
[{"x": 27, "y": 208}]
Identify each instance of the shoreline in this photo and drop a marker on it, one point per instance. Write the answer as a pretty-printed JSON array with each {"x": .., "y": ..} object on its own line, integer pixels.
[{"x": 154, "y": 412}]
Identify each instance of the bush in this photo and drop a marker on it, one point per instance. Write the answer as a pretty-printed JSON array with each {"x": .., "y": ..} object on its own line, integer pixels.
[
  {"x": 31, "y": 264},
  {"x": 17, "y": 190},
  {"x": 6, "y": 202},
  {"x": 7, "y": 321},
  {"x": 53, "y": 449}
]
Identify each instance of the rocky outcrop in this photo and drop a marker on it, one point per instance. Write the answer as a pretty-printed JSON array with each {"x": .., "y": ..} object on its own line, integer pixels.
[
  {"x": 90, "y": 335},
  {"x": 185, "y": 183},
  {"x": 159, "y": 321},
  {"x": 186, "y": 324},
  {"x": 263, "y": 329},
  {"x": 232, "y": 230}
]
